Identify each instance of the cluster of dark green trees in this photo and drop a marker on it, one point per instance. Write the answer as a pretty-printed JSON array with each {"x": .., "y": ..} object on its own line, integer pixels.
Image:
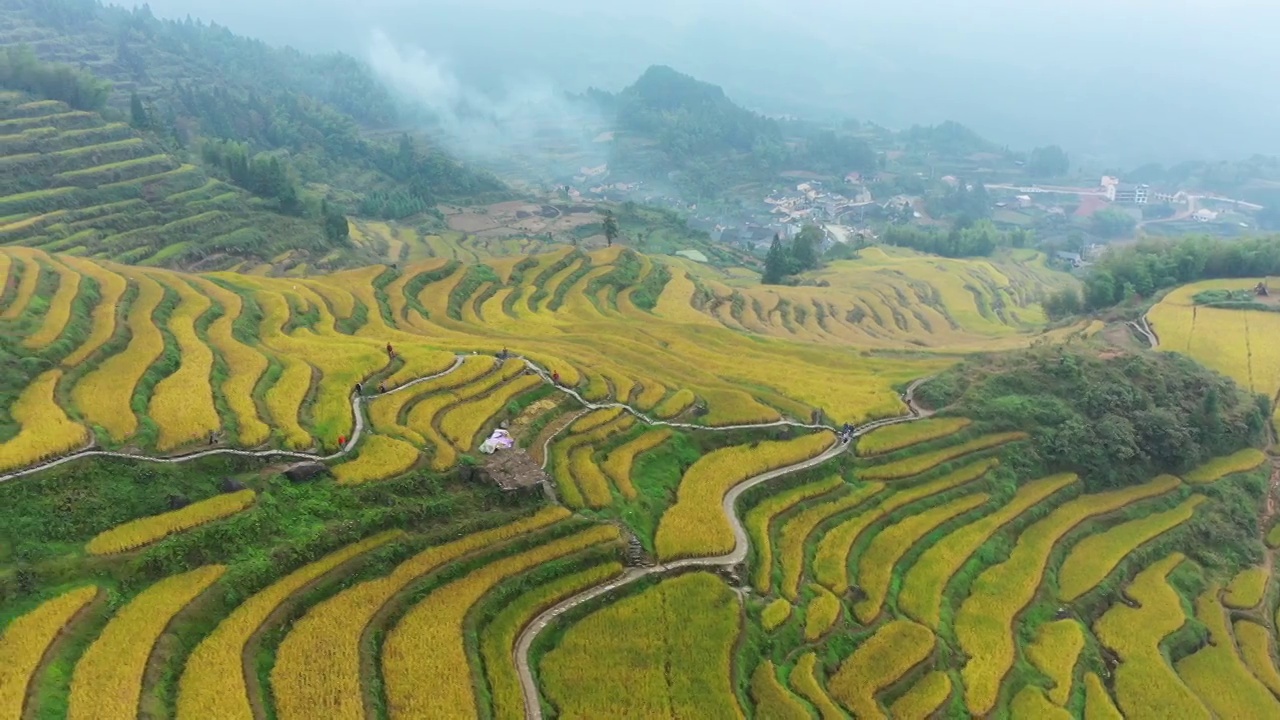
[
  {"x": 964, "y": 239},
  {"x": 1049, "y": 161},
  {"x": 1139, "y": 270},
  {"x": 262, "y": 174},
  {"x": 961, "y": 201},
  {"x": 792, "y": 258},
  {"x": 20, "y": 70},
  {"x": 1114, "y": 422}
]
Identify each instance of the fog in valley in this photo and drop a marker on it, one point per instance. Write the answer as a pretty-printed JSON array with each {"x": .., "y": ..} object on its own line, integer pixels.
[{"x": 1123, "y": 81}]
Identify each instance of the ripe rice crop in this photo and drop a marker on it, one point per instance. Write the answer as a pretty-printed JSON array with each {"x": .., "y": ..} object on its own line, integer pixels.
[
  {"x": 424, "y": 658},
  {"x": 595, "y": 487},
  {"x": 1098, "y": 704},
  {"x": 879, "y": 661},
  {"x": 1246, "y": 588},
  {"x": 111, "y": 287},
  {"x": 696, "y": 525},
  {"x": 651, "y": 393},
  {"x": 923, "y": 699},
  {"x": 27, "y": 638},
  {"x": 381, "y": 457},
  {"x": 730, "y": 406},
  {"x": 105, "y": 395},
  {"x": 421, "y": 361},
  {"x": 772, "y": 699},
  {"x": 1030, "y": 703},
  {"x": 618, "y": 463},
  {"x": 385, "y": 410},
  {"x": 831, "y": 562},
  {"x": 108, "y": 678},
  {"x": 317, "y": 666},
  {"x": 796, "y": 531},
  {"x": 775, "y": 613},
  {"x": 804, "y": 680},
  {"x": 284, "y": 401},
  {"x": 144, "y": 531},
  {"x": 679, "y": 401},
  {"x": 1093, "y": 558},
  {"x": 924, "y": 462},
  {"x": 1054, "y": 653},
  {"x": 571, "y": 484},
  {"x": 594, "y": 419},
  {"x": 925, "y": 582},
  {"x": 824, "y": 610},
  {"x": 463, "y": 423},
  {"x": 760, "y": 519},
  {"x": 875, "y": 568},
  {"x": 59, "y": 312},
  {"x": 1218, "y": 675},
  {"x": 245, "y": 365},
  {"x": 896, "y": 437},
  {"x": 498, "y": 638},
  {"x": 984, "y": 622},
  {"x": 44, "y": 429},
  {"x": 182, "y": 406},
  {"x": 678, "y": 651},
  {"x": 1218, "y": 468},
  {"x": 26, "y": 286},
  {"x": 213, "y": 681},
  {"x": 1144, "y": 680},
  {"x": 1255, "y": 647}
]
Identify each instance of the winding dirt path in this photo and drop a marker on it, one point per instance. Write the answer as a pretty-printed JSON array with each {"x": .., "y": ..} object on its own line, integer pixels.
[
  {"x": 1143, "y": 328},
  {"x": 529, "y": 686}
]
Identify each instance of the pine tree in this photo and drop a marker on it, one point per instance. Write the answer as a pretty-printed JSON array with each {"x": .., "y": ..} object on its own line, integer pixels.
[
  {"x": 775, "y": 263},
  {"x": 138, "y": 113},
  {"x": 610, "y": 227}
]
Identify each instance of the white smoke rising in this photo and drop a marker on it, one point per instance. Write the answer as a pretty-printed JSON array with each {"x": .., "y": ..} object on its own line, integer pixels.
[{"x": 529, "y": 122}]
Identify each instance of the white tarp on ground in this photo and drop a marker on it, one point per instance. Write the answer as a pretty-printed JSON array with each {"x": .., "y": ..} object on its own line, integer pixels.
[{"x": 499, "y": 440}]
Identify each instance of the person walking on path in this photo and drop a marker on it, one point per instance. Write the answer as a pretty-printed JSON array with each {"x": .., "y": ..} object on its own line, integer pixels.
[
  {"x": 359, "y": 389},
  {"x": 555, "y": 378},
  {"x": 342, "y": 441},
  {"x": 391, "y": 352}
]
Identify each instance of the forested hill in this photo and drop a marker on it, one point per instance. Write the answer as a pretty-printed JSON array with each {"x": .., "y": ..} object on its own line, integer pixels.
[
  {"x": 195, "y": 82},
  {"x": 713, "y": 142}
]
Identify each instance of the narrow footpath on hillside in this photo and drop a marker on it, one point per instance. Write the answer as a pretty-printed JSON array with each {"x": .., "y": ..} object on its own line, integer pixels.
[{"x": 528, "y": 684}]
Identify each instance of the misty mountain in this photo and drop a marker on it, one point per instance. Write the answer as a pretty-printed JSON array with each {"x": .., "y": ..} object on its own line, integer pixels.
[{"x": 669, "y": 120}]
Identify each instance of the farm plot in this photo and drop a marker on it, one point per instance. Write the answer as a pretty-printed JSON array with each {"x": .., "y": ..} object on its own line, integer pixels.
[
  {"x": 144, "y": 531},
  {"x": 678, "y": 652},
  {"x": 424, "y": 658},
  {"x": 1144, "y": 680},
  {"x": 318, "y": 663},
  {"x": 696, "y": 525},
  {"x": 831, "y": 561},
  {"x": 895, "y": 648},
  {"x": 1217, "y": 673},
  {"x": 759, "y": 521},
  {"x": 26, "y": 639},
  {"x": 984, "y": 622},
  {"x": 213, "y": 681},
  {"x": 108, "y": 678},
  {"x": 908, "y": 467}
]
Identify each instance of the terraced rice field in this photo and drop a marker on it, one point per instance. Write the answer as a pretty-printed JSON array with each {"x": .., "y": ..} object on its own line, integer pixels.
[
  {"x": 1237, "y": 343},
  {"x": 72, "y": 181},
  {"x": 919, "y": 577}
]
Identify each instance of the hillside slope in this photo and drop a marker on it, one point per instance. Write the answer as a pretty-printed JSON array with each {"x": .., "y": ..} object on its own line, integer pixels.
[
  {"x": 200, "y": 81},
  {"x": 71, "y": 181}
]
